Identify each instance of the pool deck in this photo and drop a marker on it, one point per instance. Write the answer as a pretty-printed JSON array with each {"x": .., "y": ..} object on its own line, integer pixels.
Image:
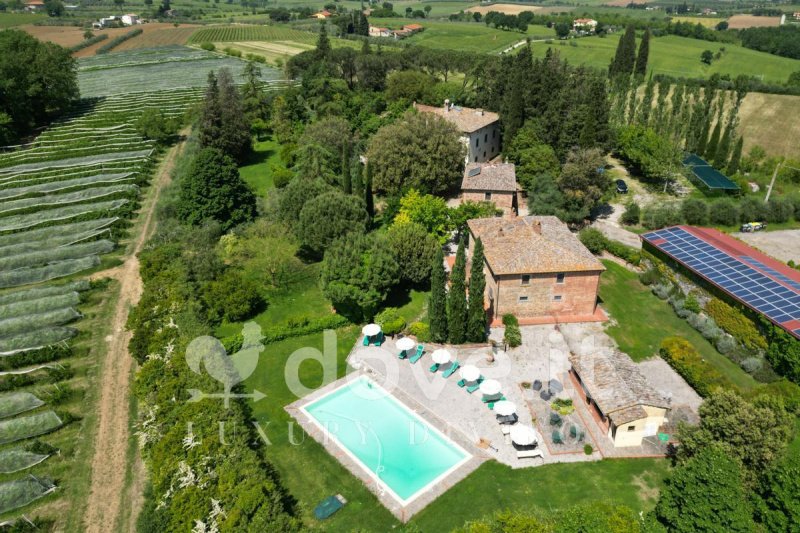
[{"x": 400, "y": 511}]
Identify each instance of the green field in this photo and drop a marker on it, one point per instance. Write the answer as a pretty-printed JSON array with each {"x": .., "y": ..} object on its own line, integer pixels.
[
  {"x": 8, "y": 20},
  {"x": 679, "y": 57},
  {"x": 251, "y": 33},
  {"x": 643, "y": 321}
]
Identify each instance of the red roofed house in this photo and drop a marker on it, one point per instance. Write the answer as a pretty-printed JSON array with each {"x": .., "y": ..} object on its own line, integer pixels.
[
  {"x": 375, "y": 31},
  {"x": 537, "y": 270},
  {"x": 491, "y": 182},
  {"x": 324, "y": 14},
  {"x": 585, "y": 25},
  {"x": 34, "y": 5},
  {"x": 480, "y": 130}
]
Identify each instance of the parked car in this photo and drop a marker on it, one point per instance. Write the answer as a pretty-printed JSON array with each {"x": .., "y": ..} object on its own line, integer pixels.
[
  {"x": 622, "y": 187},
  {"x": 750, "y": 227}
]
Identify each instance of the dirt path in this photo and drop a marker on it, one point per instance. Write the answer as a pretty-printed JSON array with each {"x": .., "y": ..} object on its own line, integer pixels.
[{"x": 109, "y": 464}]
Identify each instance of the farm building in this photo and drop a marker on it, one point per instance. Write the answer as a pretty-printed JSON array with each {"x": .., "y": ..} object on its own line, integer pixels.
[
  {"x": 375, "y": 31},
  {"x": 707, "y": 177},
  {"x": 491, "y": 182},
  {"x": 734, "y": 271},
  {"x": 537, "y": 270},
  {"x": 584, "y": 25},
  {"x": 322, "y": 15},
  {"x": 34, "y": 5},
  {"x": 621, "y": 401},
  {"x": 130, "y": 19},
  {"x": 480, "y": 130}
]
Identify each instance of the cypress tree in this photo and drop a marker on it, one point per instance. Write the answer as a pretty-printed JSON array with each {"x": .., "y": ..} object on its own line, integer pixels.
[
  {"x": 323, "y": 49},
  {"x": 640, "y": 69},
  {"x": 702, "y": 139},
  {"x": 368, "y": 200},
  {"x": 457, "y": 298},
  {"x": 724, "y": 147},
  {"x": 363, "y": 24},
  {"x": 347, "y": 178},
  {"x": 211, "y": 116},
  {"x": 736, "y": 157},
  {"x": 358, "y": 180},
  {"x": 647, "y": 103},
  {"x": 437, "y": 301},
  {"x": 476, "y": 315},
  {"x": 713, "y": 142},
  {"x": 625, "y": 56}
]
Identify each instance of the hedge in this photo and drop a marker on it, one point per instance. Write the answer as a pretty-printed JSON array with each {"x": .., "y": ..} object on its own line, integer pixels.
[
  {"x": 118, "y": 41},
  {"x": 89, "y": 42},
  {"x": 686, "y": 360},
  {"x": 736, "y": 323},
  {"x": 296, "y": 327},
  {"x": 596, "y": 242}
]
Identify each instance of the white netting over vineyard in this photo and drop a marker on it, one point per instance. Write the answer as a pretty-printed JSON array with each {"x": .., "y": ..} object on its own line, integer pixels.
[
  {"x": 24, "y": 427},
  {"x": 56, "y": 186},
  {"x": 55, "y": 232},
  {"x": 38, "y": 305},
  {"x": 17, "y": 460},
  {"x": 21, "y": 324},
  {"x": 85, "y": 195},
  {"x": 24, "y": 276},
  {"x": 76, "y": 251},
  {"x": 21, "y": 492},
  {"x": 37, "y": 293},
  {"x": 64, "y": 240},
  {"x": 18, "y": 402},
  {"x": 75, "y": 161},
  {"x": 31, "y": 220},
  {"x": 32, "y": 340}
]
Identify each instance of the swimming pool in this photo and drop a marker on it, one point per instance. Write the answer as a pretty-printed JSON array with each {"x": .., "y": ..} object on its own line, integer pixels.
[{"x": 392, "y": 443}]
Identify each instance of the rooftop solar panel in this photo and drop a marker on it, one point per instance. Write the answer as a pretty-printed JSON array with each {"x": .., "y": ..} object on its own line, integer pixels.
[
  {"x": 474, "y": 172},
  {"x": 755, "y": 284}
]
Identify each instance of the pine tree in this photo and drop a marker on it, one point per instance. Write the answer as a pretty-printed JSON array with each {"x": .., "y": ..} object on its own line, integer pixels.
[
  {"x": 437, "y": 301},
  {"x": 211, "y": 116},
  {"x": 347, "y": 178},
  {"x": 368, "y": 200},
  {"x": 640, "y": 69},
  {"x": 235, "y": 136},
  {"x": 323, "y": 49},
  {"x": 713, "y": 142},
  {"x": 476, "y": 315},
  {"x": 736, "y": 157},
  {"x": 457, "y": 298}
]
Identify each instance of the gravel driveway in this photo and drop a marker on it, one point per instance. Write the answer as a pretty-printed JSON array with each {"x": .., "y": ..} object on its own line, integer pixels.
[{"x": 781, "y": 244}]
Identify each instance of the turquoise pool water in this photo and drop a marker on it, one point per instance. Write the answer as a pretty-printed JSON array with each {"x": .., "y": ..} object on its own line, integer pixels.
[{"x": 406, "y": 453}]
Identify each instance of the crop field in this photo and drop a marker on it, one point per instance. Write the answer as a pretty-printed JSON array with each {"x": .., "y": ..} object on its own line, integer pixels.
[
  {"x": 678, "y": 56},
  {"x": 708, "y": 22},
  {"x": 251, "y": 33},
  {"x": 66, "y": 198},
  {"x": 770, "y": 121},
  {"x": 10, "y": 20},
  {"x": 739, "y": 22}
]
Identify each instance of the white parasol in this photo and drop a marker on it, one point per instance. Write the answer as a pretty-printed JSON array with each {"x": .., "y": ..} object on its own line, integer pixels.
[
  {"x": 523, "y": 435},
  {"x": 370, "y": 330},
  {"x": 405, "y": 344},
  {"x": 490, "y": 387},
  {"x": 470, "y": 372},
  {"x": 440, "y": 356},
  {"x": 505, "y": 408}
]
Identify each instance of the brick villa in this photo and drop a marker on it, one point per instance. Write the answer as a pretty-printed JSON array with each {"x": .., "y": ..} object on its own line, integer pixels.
[
  {"x": 537, "y": 270},
  {"x": 491, "y": 182},
  {"x": 480, "y": 130}
]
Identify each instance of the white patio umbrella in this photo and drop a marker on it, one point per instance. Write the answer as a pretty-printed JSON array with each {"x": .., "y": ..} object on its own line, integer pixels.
[
  {"x": 405, "y": 344},
  {"x": 441, "y": 356},
  {"x": 490, "y": 387},
  {"x": 370, "y": 330},
  {"x": 523, "y": 435},
  {"x": 505, "y": 408},
  {"x": 470, "y": 372}
]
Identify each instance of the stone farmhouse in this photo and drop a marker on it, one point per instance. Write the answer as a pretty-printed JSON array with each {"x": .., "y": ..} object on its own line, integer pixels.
[
  {"x": 480, "y": 130},
  {"x": 537, "y": 270},
  {"x": 618, "y": 396},
  {"x": 491, "y": 182}
]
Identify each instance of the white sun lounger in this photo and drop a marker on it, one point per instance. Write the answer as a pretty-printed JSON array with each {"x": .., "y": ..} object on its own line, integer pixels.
[{"x": 530, "y": 454}]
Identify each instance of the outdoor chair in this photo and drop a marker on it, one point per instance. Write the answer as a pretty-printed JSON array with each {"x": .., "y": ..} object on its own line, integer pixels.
[
  {"x": 557, "y": 438},
  {"x": 417, "y": 356},
  {"x": 450, "y": 371},
  {"x": 556, "y": 420},
  {"x": 402, "y": 354},
  {"x": 537, "y": 385},
  {"x": 476, "y": 386},
  {"x": 462, "y": 383},
  {"x": 366, "y": 340},
  {"x": 491, "y": 404},
  {"x": 435, "y": 367},
  {"x": 507, "y": 419}
]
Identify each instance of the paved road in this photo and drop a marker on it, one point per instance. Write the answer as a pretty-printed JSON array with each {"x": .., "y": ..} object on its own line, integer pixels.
[{"x": 781, "y": 244}]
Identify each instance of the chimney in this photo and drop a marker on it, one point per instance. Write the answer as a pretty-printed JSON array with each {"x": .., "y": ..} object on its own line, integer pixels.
[{"x": 447, "y": 105}]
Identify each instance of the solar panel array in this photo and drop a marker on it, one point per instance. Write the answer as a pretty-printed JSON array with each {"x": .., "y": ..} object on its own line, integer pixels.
[
  {"x": 707, "y": 174},
  {"x": 474, "y": 172},
  {"x": 760, "y": 287}
]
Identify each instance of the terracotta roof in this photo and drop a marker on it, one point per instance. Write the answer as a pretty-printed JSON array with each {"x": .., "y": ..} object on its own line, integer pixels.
[
  {"x": 616, "y": 385},
  {"x": 465, "y": 119},
  {"x": 489, "y": 177},
  {"x": 412, "y": 27},
  {"x": 532, "y": 244}
]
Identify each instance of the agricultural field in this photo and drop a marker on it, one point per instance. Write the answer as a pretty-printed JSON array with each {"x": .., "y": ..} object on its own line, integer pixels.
[
  {"x": 740, "y": 22},
  {"x": 66, "y": 201},
  {"x": 678, "y": 56},
  {"x": 770, "y": 121},
  {"x": 708, "y": 22},
  {"x": 10, "y": 20},
  {"x": 213, "y": 34}
]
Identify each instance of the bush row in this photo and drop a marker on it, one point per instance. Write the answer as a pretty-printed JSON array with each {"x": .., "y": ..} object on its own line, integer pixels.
[
  {"x": 722, "y": 212},
  {"x": 736, "y": 323},
  {"x": 296, "y": 327},
  {"x": 512, "y": 336},
  {"x": 113, "y": 43},
  {"x": 596, "y": 243},
  {"x": 89, "y": 42},
  {"x": 686, "y": 360}
]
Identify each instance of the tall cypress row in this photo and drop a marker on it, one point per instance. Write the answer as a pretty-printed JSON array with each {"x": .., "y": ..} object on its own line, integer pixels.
[
  {"x": 625, "y": 56},
  {"x": 736, "y": 157},
  {"x": 437, "y": 301},
  {"x": 713, "y": 142},
  {"x": 640, "y": 68},
  {"x": 724, "y": 146},
  {"x": 347, "y": 178},
  {"x": 358, "y": 180},
  {"x": 476, "y": 315},
  {"x": 368, "y": 200},
  {"x": 457, "y": 298}
]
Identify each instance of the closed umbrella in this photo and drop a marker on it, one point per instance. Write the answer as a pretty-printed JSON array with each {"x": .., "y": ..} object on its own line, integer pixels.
[
  {"x": 405, "y": 344},
  {"x": 523, "y": 435},
  {"x": 505, "y": 408},
  {"x": 470, "y": 372},
  {"x": 440, "y": 356},
  {"x": 370, "y": 330},
  {"x": 555, "y": 386},
  {"x": 490, "y": 387}
]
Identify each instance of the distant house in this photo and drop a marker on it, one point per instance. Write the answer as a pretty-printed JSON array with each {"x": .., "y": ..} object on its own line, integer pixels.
[
  {"x": 413, "y": 28},
  {"x": 480, "y": 130},
  {"x": 491, "y": 182},
  {"x": 537, "y": 270},
  {"x": 322, "y": 15},
  {"x": 622, "y": 402},
  {"x": 107, "y": 22},
  {"x": 130, "y": 19},
  {"x": 34, "y": 5},
  {"x": 796, "y": 15},
  {"x": 585, "y": 25},
  {"x": 375, "y": 31}
]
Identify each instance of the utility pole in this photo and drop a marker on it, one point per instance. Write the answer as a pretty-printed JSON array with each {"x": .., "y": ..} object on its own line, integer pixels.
[{"x": 772, "y": 181}]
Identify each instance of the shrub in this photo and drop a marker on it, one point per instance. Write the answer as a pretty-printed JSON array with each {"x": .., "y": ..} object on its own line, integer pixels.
[
  {"x": 691, "y": 303},
  {"x": 684, "y": 313},
  {"x": 710, "y": 330},
  {"x": 281, "y": 176},
  {"x": 779, "y": 210},
  {"x": 512, "y": 336},
  {"x": 650, "y": 276},
  {"x": 390, "y": 321},
  {"x": 628, "y": 253},
  {"x": 632, "y": 214},
  {"x": 752, "y": 364},
  {"x": 510, "y": 320},
  {"x": 695, "y": 211},
  {"x": 587, "y": 449},
  {"x": 208, "y": 46},
  {"x": 420, "y": 330},
  {"x": 752, "y": 209},
  {"x": 687, "y": 362},
  {"x": 662, "y": 290},
  {"x": 724, "y": 212},
  {"x": 232, "y": 52},
  {"x": 593, "y": 240},
  {"x": 661, "y": 216},
  {"x": 786, "y": 390},
  {"x": 725, "y": 344},
  {"x": 736, "y": 323},
  {"x": 796, "y": 205}
]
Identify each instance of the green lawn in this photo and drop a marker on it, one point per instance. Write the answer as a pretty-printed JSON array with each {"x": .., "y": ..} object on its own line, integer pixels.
[
  {"x": 257, "y": 170},
  {"x": 643, "y": 321},
  {"x": 678, "y": 56}
]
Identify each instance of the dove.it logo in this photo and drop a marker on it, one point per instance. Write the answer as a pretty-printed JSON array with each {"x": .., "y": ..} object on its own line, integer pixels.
[{"x": 208, "y": 352}]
